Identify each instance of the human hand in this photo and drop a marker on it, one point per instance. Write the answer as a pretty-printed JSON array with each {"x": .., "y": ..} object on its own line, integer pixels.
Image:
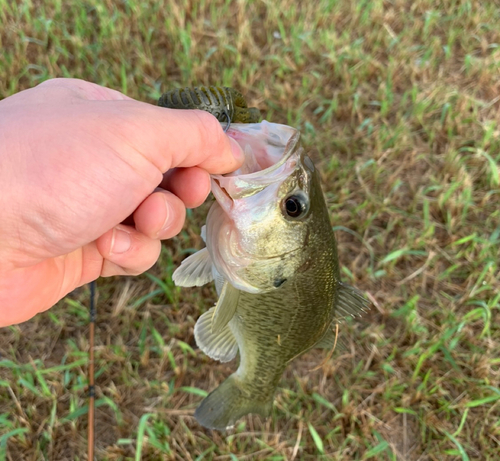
[{"x": 76, "y": 160}]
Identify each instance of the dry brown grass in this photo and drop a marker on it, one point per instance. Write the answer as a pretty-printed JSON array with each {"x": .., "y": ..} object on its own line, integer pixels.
[{"x": 400, "y": 103}]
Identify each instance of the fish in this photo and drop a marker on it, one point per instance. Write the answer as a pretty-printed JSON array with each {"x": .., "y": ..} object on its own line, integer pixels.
[{"x": 272, "y": 253}]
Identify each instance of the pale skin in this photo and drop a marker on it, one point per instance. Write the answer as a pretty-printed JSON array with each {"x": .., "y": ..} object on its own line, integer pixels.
[{"x": 76, "y": 161}]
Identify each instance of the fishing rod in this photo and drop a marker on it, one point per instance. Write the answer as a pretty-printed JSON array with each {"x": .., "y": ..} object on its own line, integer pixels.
[{"x": 91, "y": 389}]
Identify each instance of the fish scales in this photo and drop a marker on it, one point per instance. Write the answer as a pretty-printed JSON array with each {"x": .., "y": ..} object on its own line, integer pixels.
[
  {"x": 273, "y": 256},
  {"x": 259, "y": 319},
  {"x": 296, "y": 312}
]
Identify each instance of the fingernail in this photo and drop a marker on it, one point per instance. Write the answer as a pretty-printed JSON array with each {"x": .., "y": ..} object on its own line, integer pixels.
[
  {"x": 167, "y": 223},
  {"x": 120, "y": 241},
  {"x": 237, "y": 150}
]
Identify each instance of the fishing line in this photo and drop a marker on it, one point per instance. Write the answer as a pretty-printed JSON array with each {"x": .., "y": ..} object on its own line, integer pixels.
[{"x": 329, "y": 356}]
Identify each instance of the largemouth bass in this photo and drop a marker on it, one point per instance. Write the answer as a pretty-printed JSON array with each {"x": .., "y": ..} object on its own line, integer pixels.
[{"x": 272, "y": 253}]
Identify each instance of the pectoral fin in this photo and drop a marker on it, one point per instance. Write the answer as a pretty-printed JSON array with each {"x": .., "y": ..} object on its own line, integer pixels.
[
  {"x": 225, "y": 308},
  {"x": 221, "y": 346},
  {"x": 350, "y": 303},
  {"x": 196, "y": 270}
]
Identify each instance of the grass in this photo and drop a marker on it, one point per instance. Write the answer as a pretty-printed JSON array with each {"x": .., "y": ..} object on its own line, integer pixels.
[{"x": 399, "y": 103}]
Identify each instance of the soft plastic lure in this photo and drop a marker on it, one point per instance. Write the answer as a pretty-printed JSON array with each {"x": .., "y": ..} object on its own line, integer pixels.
[{"x": 224, "y": 103}]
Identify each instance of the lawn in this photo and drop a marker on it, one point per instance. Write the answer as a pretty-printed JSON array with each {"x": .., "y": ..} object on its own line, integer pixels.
[{"x": 399, "y": 103}]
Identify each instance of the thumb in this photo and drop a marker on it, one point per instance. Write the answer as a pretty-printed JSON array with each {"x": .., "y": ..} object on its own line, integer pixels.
[
  {"x": 167, "y": 137},
  {"x": 171, "y": 138}
]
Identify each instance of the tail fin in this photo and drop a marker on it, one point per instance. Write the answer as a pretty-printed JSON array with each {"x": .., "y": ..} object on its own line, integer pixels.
[{"x": 226, "y": 404}]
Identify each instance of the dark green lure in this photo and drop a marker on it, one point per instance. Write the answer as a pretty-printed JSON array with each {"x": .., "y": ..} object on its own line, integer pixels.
[{"x": 224, "y": 103}]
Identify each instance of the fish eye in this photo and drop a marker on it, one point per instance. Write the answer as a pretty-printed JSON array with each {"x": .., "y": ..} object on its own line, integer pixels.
[{"x": 296, "y": 205}]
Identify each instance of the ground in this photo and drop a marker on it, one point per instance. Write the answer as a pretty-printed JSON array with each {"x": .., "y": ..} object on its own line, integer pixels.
[{"x": 399, "y": 103}]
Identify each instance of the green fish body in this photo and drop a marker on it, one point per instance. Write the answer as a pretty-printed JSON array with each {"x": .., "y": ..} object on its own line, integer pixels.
[{"x": 273, "y": 255}]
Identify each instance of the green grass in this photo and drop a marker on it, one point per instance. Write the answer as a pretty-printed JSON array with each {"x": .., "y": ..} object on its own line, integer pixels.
[{"x": 399, "y": 103}]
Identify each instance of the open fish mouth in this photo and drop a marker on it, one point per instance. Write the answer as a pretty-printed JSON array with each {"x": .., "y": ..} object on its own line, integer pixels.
[{"x": 269, "y": 159}]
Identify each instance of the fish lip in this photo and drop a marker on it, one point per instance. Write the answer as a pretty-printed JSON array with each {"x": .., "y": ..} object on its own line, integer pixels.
[{"x": 220, "y": 194}]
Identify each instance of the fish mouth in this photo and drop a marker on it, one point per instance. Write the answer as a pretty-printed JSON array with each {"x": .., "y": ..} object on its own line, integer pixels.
[{"x": 269, "y": 150}]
